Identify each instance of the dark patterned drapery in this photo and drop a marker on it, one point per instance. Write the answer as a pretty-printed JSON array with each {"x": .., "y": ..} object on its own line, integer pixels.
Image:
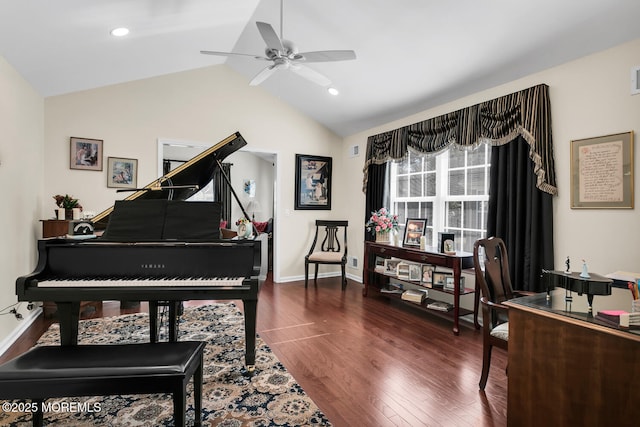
[
  {"x": 525, "y": 113},
  {"x": 522, "y": 178}
]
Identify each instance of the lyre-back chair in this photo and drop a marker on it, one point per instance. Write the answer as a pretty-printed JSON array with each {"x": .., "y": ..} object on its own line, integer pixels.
[
  {"x": 495, "y": 285},
  {"x": 328, "y": 249}
]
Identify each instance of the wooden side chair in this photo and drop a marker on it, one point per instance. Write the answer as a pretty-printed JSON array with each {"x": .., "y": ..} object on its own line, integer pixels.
[
  {"x": 328, "y": 249},
  {"x": 495, "y": 284}
]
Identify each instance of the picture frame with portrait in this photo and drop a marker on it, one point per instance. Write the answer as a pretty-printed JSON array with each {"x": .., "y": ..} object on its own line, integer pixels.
[
  {"x": 414, "y": 229},
  {"x": 86, "y": 154},
  {"x": 426, "y": 278},
  {"x": 122, "y": 173},
  {"x": 313, "y": 182}
]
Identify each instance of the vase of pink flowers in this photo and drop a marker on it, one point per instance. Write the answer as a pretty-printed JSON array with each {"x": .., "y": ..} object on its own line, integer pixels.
[{"x": 382, "y": 223}]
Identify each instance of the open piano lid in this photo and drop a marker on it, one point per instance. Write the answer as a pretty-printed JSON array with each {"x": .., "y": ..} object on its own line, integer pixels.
[{"x": 197, "y": 171}]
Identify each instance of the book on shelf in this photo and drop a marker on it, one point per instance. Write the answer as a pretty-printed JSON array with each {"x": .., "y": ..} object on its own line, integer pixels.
[
  {"x": 440, "y": 306},
  {"x": 391, "y": 290},
  {"x": 415, "y": 295},
  {"x": 619, "y": 318}
]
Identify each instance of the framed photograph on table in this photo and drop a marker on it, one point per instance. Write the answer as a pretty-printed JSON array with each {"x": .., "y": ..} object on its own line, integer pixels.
[
  {"x": 86, "y": 154},
  {"x": 427, "y": 275},
  {"x": 122, "y": 173},
  {"x": 413, "y": 230},
  {"x": 602, "y": 172},
  {"x": 313, "y": 182}
]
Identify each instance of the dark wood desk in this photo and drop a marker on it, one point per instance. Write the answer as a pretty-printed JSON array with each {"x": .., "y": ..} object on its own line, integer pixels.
[
  {"x": 566, "y": 369},
  {"x": 456, "y": 262}
]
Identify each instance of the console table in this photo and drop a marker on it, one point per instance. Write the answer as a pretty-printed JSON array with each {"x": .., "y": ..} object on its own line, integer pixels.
[
  {"x": 567, "y": 369},
  {"x": 456, "y": 262}
]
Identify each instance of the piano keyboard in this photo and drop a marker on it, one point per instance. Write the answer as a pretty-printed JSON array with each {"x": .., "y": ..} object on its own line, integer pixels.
[{"x": 169, "y": 283}]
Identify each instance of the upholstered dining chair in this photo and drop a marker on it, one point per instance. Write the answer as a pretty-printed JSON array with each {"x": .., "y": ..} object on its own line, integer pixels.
[
  {"x": 328, "y": 248},
  {"x": 494, "y": 282}
]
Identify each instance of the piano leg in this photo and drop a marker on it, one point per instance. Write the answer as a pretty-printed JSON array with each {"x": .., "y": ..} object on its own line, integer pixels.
[
  {"x": 68, "y": 316},
  {"x": 250, "y": 315},
  {"x": 173, "y": 320},
  {"x": 153, "y": 321}
]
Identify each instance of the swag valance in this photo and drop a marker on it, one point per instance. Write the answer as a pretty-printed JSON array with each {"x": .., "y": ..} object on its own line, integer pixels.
[{"x": 498, "y": 121}]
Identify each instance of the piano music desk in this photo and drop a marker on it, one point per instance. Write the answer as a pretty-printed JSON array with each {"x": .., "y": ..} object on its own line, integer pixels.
[{"x": 57, "y": 228}]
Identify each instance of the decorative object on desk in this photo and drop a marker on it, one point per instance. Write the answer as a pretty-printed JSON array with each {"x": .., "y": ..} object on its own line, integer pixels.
[
  {"x": 567, "y": 263},
  {"x": 447, "y": 241},
  {"x": 427, "y": 275},
  {"x": 585, "y": 273},
  {"x": 80, "y": 228},
  {"x": 67, "y": 203},
  {"x": 122, "y": 173},
  {"x": 440, "y": 279},
  {"x": 86, "y": 154},
  {"x": 382, "y": 223},
  {"x": 313, "y": 182},
  {"x": 413, "y": 230},
  {"x": 244, "y": 228},
  {"x": 423, "y": 243},
  {"x": 602, "y": 172}
]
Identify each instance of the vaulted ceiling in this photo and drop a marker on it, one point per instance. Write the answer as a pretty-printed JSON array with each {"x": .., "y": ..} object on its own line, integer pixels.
[{"x": 411, "y": 54}]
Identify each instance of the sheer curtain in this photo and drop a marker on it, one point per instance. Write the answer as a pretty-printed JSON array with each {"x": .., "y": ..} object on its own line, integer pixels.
[{"x": 523, "y": 117}]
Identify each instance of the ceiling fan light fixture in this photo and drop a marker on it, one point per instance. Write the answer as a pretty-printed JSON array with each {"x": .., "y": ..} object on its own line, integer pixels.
[
  {"x": 119, "y": 32},
  {"x": 333, "y": 91}
]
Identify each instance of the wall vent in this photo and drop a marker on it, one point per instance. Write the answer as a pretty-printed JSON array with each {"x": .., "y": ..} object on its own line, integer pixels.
[
  {"x": 635, "y": 80},
  {"x": 352, "y": 261},
  {"x": 354, "y": 151}
]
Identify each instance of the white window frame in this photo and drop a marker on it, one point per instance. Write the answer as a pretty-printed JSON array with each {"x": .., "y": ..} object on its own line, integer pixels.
[{"x": 438, "y": 221}]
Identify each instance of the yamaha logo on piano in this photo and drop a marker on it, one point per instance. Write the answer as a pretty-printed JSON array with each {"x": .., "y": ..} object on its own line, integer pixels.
[{"x": 152, "y": 266}]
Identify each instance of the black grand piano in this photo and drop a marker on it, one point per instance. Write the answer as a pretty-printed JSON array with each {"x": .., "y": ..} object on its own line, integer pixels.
[{"x": 156, "y": 247}]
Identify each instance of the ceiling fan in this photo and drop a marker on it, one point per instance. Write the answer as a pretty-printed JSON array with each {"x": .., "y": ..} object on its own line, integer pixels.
[{"x": 284, "y": 55}]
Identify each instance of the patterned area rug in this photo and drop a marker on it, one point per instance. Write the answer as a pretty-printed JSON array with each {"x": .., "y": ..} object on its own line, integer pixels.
[{"x": 271, "y": 397}]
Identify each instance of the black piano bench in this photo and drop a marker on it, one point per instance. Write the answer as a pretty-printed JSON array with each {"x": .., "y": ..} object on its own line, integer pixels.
[{"x": 102, "y": 370}]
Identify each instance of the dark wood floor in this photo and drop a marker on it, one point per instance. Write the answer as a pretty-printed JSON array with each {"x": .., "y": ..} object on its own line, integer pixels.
[{"x": 366, "y": 361}]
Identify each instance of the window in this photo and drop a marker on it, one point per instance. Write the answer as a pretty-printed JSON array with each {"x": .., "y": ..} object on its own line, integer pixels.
[{"x": 450, "y": 189}]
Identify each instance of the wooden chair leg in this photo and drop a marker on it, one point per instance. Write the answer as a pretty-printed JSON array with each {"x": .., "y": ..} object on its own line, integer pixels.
[
  {"x": 37, "y": 417},
  {"x": 315, "y": 277},
  {"x": 179, "y": 403},
  {"x": 344, "y": 277},
  {"x": 486, "y": 363},
  {"x": 306, "y": 273}
]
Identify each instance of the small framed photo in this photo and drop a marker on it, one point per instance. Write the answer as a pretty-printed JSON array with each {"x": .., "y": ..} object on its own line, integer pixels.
[
  {"x": 413, "y": 230},
  {"x": 447, "y": 242},
  {"x": 449, "y": 283},
  {"x": 391, "y": 266},
  {"x": 427, "y": 275},
  {"x": 379, "y": 263},
  {"x": 440, "y": 279},
  {"x": 403, "y": 271},
  {"x": 313, "y": 182},
  {"x": 86, "y": 154},
  {"x": 122, "y": 173},
  {"x": 415, "y": 272}
]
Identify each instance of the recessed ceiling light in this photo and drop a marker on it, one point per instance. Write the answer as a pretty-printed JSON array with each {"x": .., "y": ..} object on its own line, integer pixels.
[
  {"x": 333, "y": 91},
  {"x": 119, "y": 32}
]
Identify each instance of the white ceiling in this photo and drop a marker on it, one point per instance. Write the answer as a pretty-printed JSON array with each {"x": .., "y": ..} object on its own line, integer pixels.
[{"x": 411, "y": 54}]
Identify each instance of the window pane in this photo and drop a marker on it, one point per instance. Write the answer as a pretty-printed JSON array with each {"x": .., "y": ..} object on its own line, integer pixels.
[
  {"x": 413, "y": 210},
  {"x": 426, "y": 211},
  {"x": 456, "y": 158},
  {"x": 456, "y": 183},
  {"x": 454, "y": 214},
  {"x": 430, "y": 163},
  {"x": 399, "y": 209},
  {"x": 470, "y": 238},
  {"x": 429, "y": 182},
  {"x": 403, "y": 166},
  {"x": 475, "y": 181},
  {"x": 415, "y": 185},
  {"x": 403, "y": 186},
  {"x": 415, "y": 163},
  {"x": 473, "y": 215},
  {"x": 476, "y": 157}
]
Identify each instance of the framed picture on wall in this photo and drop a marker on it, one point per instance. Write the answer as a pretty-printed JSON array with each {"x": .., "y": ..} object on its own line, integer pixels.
[
  {"x": 86, "y": 154},
  {"x": 122, "y": 173},
  {"x": 313, "y": 182},
  {"x": 602, "y": 172}
]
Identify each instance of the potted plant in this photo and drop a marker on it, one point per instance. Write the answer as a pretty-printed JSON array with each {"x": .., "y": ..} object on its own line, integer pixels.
[{"x": 68, "y": 203}]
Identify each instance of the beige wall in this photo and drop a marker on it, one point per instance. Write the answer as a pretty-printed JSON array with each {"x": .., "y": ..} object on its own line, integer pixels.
[
  {"x": 204, "y": 105},
  {"x": 21, "y": 164},
  {"x": 589, "y": 97}
]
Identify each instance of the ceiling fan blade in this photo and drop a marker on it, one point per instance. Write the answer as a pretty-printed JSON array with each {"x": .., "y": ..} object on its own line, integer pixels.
[
  {"x": 263, "y": 75},
  {"x": 310, "y": 75},
  {"x": 269, "y": 36},
  {"x": 328, "y": 55},
  {"x": 212, "y": 52}
]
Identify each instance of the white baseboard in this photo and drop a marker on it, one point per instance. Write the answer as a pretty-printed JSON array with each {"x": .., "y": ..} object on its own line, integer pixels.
[
  {"x": 320, "y": 276},
  {"x": 23, "y": 325}
]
